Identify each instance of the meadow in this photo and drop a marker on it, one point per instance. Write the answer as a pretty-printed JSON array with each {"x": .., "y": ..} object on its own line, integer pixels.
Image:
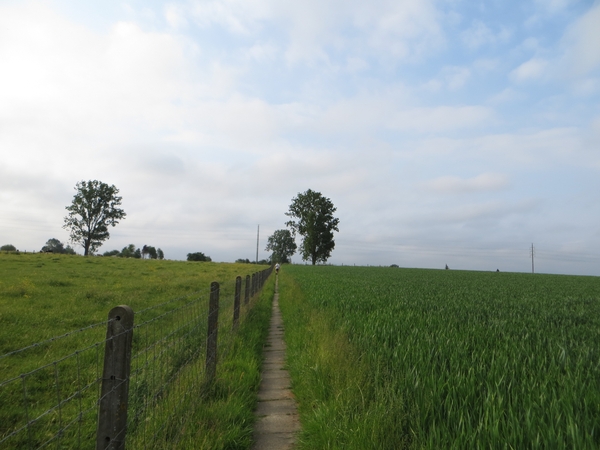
[
  {"x": 60, "y": 304},
  {"x": 388, "y": 358}
]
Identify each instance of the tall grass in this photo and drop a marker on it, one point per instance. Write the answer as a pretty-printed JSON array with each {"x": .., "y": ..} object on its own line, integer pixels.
[{"x": 453, "y": 359}]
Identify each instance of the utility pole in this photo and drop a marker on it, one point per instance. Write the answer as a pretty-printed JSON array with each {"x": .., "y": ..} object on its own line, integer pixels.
[
  {"x": 257, "y": 238},
  {"x": 532, "y": 255}
]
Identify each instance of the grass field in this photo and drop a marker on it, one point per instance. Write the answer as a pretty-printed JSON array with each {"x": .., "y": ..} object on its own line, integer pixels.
[
  {"x": 385, "y": 358},
  {"x": 43, "y": 296}
]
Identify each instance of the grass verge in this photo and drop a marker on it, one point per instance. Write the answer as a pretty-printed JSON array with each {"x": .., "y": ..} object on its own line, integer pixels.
[
  {"x": 340, "y": 403},
  {"x": 222, "y": 418}
]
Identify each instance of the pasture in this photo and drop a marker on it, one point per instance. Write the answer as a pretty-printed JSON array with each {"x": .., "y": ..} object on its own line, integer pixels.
[
  {"x": 48, "y": 392},
  {"x": 388, "y": 358}
]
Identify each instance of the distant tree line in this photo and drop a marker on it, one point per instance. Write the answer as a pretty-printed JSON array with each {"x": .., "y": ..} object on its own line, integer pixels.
[
  {"x": 146, "y": 252},
  {"x": 247, "y": 261}
]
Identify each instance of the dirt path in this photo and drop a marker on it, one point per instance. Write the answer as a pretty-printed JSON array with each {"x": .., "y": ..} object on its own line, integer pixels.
[{"x": 277, "y": 421}]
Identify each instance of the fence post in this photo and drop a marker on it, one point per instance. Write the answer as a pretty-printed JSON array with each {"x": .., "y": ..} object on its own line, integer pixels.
[
  {"x": 247, "y": 290},
  {"x": 211, "y": 339},
  {"x": 253, "y": 290},
  {"x": 112, "y": 415},
  {"x": 236, "y": 302}
]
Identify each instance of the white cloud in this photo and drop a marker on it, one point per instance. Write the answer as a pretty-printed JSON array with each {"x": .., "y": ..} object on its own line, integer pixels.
[
  {"x": 175, "y": 16},
  {"x": 457, "y": 185},
  {"x": 479, "y": 34},
  {"x": 440, "y": 119},
  {"x": 457, "y": 77},
  {"x": 529, "y": 70},
  {"x": 388, "y": 30},
  {"x": 581, "y": 49},
  {"x": 554, "y": 6}
]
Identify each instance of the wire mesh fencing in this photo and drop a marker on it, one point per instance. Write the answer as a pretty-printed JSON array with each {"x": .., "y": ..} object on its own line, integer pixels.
[{"x": 53, "y": 394}]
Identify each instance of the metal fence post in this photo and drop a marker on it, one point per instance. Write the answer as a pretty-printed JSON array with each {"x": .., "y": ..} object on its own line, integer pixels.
[
  {"x": 236, "y": 302},
  {"x": 247, "y": 290},
  {"x": 211, "y": 339},
  {"x": 112, "y": 416}
]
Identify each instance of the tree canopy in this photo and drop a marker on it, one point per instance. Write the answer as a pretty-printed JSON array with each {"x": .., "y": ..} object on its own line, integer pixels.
[
  {"x": 95, "y": 207},
  {"x": 55, "y": 246},
  {"x": 8, "y": 248},
  {"x": 198, "y": 256},
  {"x": 312, "y": 218},
  {"x": 283, "y": 246}
]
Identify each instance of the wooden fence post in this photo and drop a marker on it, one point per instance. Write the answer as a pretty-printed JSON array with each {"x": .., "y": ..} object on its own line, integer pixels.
[
  {"x": 236, "y": 302},
  {"x": 247, "y": 290},
  {"x": 211, "y": 339},
  {"x": 112, "y": 415}
]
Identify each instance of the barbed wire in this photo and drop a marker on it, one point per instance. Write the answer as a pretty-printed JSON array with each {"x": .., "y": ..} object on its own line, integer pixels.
[
  {"x": 57, "y": 403},
  {"x": 55, "y": 338}
]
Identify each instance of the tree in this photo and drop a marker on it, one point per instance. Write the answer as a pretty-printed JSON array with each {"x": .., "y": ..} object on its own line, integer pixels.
[
  {"x": 315, "y": 223},
  {"x": 198, "y": 256},
  {"x": 151, "y": 252},
  {"x": 160, "y": 254},
  {"x": 94, "y": 208},
  {"x": 8, "y": 248},
  {"x": 128, "y": 252},
  {"x": 283, "y": 246},
  {"x": 53, "y": 246}
]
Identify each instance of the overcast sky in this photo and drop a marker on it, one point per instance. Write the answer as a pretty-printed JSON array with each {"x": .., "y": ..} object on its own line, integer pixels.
[{"x": 451, "y": 132}]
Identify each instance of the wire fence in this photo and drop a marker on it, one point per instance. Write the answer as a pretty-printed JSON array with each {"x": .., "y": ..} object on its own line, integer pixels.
[{"x": 54, "y": 394}]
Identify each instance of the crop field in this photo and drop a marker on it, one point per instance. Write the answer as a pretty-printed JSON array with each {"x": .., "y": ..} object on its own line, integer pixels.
[
  {"x": 408, "y": 358},
  {"x": 56, "y": 307}
]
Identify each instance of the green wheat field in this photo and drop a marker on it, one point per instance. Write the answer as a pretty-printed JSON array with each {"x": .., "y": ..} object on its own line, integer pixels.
[{"x": 387, "y": 358}]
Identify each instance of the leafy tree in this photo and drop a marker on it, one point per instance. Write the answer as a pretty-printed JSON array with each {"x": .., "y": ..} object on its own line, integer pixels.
[
  {"x": 112, "y": 253},
  {"x": 137, "y": 254},
  {"x": 69, "y": 250},
  {"x": 8, "y": 248},
  {"x": 314, "y": 221},
  {"x": 53, "y": 246},
  {"x": 128, "y": 252},
  {"x": 94, "y": 208},
  {"x": 198, "y": 256},
  {"x": 160, "y": 254},
  {"x": 283, "y": 246},
  {"x": 151, "y": 251}
]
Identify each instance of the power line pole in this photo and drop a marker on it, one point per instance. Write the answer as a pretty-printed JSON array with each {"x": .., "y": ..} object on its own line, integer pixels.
[
  {"x": 532, "y": 255},
  {"x": 257, "y": 238}
]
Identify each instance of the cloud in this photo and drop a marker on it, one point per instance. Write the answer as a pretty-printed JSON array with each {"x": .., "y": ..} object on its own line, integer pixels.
[
  {"x": 581, "y": 50},
  {"x": 553, "y": 6},
  {"x": 440, "y": 119},
  {"x": 312, "y": 32},
  {"x": 479, "y": 34},
  {"x": 529, "y": 70},
  {"x": 457, "y": 185}
]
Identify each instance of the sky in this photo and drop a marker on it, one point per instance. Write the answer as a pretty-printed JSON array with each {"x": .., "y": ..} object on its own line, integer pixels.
[{"x": 453, "y": 132}]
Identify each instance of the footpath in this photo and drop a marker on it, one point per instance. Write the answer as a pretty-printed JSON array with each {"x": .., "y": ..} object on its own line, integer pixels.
[{"x": 277, "y": 423}]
